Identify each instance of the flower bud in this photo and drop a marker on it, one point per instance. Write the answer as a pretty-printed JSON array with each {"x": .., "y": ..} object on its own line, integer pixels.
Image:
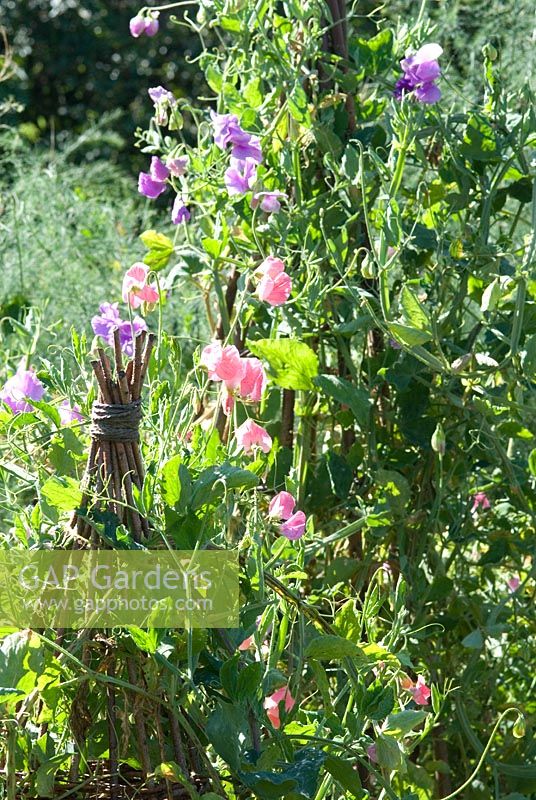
[{"x": 438, "y": 440}]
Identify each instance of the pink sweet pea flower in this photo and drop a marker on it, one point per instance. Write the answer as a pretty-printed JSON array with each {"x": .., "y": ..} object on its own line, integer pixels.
[
  {"x": 271, "y": 267},
  {"x": 269, "y": 201},
  {"x": 250, "y": 436},
  {"x": 372, "y": 754},
  {"x": 246, "y": 644},
  {"x": 514, "y": 583},
  {"x": 281, "y": 506},
  {"x": 420, "y": 691},
  {"x": 275, "y": 291},
  {"x": 480, "y": 500},
  {"x": 223, "y": 364},
  {"x": 253, "y": 381},
  {"x": 152, "y": 24},
  {"x": 69, "y": 414},
  {"x": 271, "y": 705},
  {"x": 241, "y": 176},
  {"x": 22, "y": 386},
  {"x": 137, "y": 26},
  {"x": 294, "y": 527},
  {"x": 136, "y": 289},
  {"x": 177, "y": 166}
]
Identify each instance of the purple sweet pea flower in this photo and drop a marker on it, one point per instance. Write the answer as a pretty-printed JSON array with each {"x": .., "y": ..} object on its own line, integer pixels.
[
  {"x": 158, "y": 170},
  {"x": 69, "y": 414},
  {"x": 179, "y": 212},
  {"x": 152, "y": 25},
  {"x": 269, "y": 201},
  {"x": 227, "y": 131},
  {"x": 128, "y": 332},
  {"x": 148, "y": 187},
  {"x": 105, "y": 323},
  {"x": 241, "y": 176},
  {"x": 22, "y": 386},
  {"x": 163, "y": 101},
  {"x": 420, "y": 71}
]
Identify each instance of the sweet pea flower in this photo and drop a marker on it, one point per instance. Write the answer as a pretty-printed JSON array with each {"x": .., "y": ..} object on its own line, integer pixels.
[
  {"x": 480, "y": 500},
  {"x": 420, "y": 691},
  {"x": 109, "y": 320},
  {"x": 269, "y": 201},
  {"x": 149, "y": 187},
  {"x": 372, "y": 753},
  {"x": 177, "y": 166},
  {"x": 253, "y": 383},
  {"x": 227, "y": 131},
  {"x": 294, "y": 527},
  {"x": 158, "y": 170},
  {"x": 250, "y": 436},
  {"x": 152, "y": 24},
  {"x": 137, "y": 26},
  {"x": 514, "y": 583},
  {"x": 241, "y": 176},
  {"x": 271, "y": 267},
  {"x": 163, "y": 101},
  {"x": 246, "y": 644},
  {"x": 275, "y": 291},
  {"x": 136, "y": 289},
  {"x": 271, "y": 705},
  {"x": 223, "y": 364},
  {"x": 69, "y": 414},
  {"x": 179, "y": 212},
  {"x": 24, "y": 385},
  {"x": 420, "y": 71},
  {"x": 281, "y": 506}
]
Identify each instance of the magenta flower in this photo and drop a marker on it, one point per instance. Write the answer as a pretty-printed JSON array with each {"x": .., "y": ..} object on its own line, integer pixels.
[
  {"x": 420, "y": 691},
  {"x": 248, "y": 148},
  {"x": 158, "y": 170},
  {"x": 420, "y": 71},
  {"x": 136, "y": 289},
  {"x": 253, "y": 382},
  {"x": 152, "y": 24},
  {"x": 179, "y": 212},
  {"x": 372, "y": 753},
  {"x": 69, "y": 414},
  {"x": 275, "y": 291},
  {"x": 250, "y": 436},
  {"x": 271, "y": 705},
  {"x": 294, "y": 527},
  {"x": 147, "y": 25},
  {"x": 177, "y": 166},
  {"x": 24, "y": 385},
  {"x": 149, "y": 187},
  {"x": 480, "y": 500},
  {"x": 269, "y": 201},
  {"x": 514, "y": 583},
  {"x": 281, "y": 506},
  {"x": 128, "y": 332},
  {"x": 241, "y": 176}
]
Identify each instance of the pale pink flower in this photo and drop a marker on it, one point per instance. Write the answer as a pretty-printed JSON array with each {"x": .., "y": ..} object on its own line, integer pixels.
[
  {"x": 250, "y": 436},
  {"x": 420, "y": 691},
  {"x": 177, "y": 166},
  {"x": 514, "y": 583},
  {"x": 223, "y": 364},
  {"x": 275, "y": 291},
  {"x": 69, "y": 414},
  {"x": 253, "y": 381},
  {"x": 281, "y": 506},
  {"x": 294, "y": 527},
  {"x": 246, "y": 644},
  {"x": 480, "y": 500},
  {"x": 271, "y": 705},
  {"x": 271, "y": 266},
  {"x": 227, "y": 399},
  {"x": 136, "y": 289}
]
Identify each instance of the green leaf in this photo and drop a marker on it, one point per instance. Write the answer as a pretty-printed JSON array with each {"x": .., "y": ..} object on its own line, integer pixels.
[
  {"x": 297, "y": 104},
  {"x": 160, "y": 249},
  {"x": 224, "y": 728},
  {"x": 373, "y": 55},
  {"x": 214, "y": 78},
  {"x": 414, "y": 313},
  {"x": 293, "y": 364},
  {"x": 214, "y": 482},
  {"x": 473, "y": 640},
  {"x": 213, "y": 247},
  {"x": 249, "y": 681},
  {"x": 170, "y": 481},
  {"x": 252, "y": 93},
  {"x": 480, "y": 142},
  {"x": 345, "y": 773},
  {"x": 298, "y": 781},
  {"x": 407, "y": 335},
  {"x": 403, "y": 722},
  {"x": 62, "y": 493},
  {"x": 388, "y": 753},
  {"x": 347, "y": 394},
  {"x": 347, "y": 621},
  {"x": 229, "y": 675}
]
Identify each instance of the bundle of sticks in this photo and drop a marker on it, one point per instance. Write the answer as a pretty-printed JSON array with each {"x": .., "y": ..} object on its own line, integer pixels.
[{"x": 115, "y": 464}]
